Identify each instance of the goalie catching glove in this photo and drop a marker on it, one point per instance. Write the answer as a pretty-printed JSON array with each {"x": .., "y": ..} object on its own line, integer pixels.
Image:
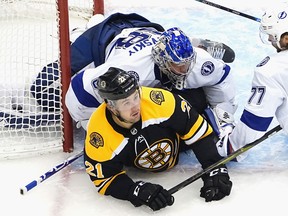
[
  {"x": 221, "y": 118},
  {"x": 152, "y": 195},
  {"x": 217, "y": 184}
]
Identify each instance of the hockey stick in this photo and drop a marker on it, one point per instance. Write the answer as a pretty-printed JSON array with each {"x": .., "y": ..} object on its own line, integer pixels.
[
  {"x": 55, "y": 169},
  {"x": 224, "y": 160},
  {"x": 230, "y": 10}
]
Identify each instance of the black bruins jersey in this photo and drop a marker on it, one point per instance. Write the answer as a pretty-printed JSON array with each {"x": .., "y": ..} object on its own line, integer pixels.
[{"x": 152, "y": 144}]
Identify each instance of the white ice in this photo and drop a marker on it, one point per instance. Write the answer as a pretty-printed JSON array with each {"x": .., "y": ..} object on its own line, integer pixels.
[{"x": 260, "y": 183}]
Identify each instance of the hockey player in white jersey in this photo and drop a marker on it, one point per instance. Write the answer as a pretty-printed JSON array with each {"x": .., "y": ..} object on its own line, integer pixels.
[
  {"x": 153, "y": 53},
  {"x": 269, "y": 92}
]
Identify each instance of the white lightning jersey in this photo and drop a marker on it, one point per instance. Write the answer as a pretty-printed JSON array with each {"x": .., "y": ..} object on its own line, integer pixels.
[
  {"x": 268, "y": 100},
  {"x": 131, "y": 51}
]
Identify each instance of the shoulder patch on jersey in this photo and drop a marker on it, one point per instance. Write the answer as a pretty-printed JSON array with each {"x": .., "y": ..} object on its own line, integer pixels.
[
  {"x": 263, "y": 62},
  {"x": 157, "y": 97},
  {"x": 207, "y": 68},
  {"x": 135, "y": 74},
  {"x": 96, "y": 140}
]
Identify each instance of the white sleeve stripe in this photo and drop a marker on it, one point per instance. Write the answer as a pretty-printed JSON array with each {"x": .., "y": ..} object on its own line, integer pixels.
[{"x": 198, "y": 134}]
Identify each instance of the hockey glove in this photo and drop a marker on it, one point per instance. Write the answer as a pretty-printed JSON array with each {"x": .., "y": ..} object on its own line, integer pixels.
[
  {"x": 152, "y": 195},
  {"x": 221, "y": 118},
  {"x": 217, "y": 184},
  {"x": 224, "y": 113}
]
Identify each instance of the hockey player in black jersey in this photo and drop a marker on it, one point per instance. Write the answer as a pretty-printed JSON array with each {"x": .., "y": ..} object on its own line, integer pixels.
[{"x": 146, "y": 128}]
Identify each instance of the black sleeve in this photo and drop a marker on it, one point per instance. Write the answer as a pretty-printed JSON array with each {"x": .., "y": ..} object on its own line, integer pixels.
[
  {"x": 183, "y": 118},
  {"x": 120, "y": 187},
  {"x": 116, "y": 183},
  {"x": 196, "y": 98},
  {"x": 205, "y": 150}
]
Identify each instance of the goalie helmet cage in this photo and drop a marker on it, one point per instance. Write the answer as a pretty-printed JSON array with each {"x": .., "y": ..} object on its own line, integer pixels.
[{"x": 35, "y": 33}]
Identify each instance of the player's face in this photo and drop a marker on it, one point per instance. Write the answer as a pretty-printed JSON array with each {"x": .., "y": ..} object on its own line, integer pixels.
[
  {"x": 284, "y": 41},
  {"x": 180, "y": 69},
  {"x": 129, "y": 108}
]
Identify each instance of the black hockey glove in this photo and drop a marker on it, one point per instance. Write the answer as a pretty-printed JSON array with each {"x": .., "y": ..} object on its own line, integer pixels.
[
  {"x": 217, "y": 184},
  {"x": 152, "y": 195}
]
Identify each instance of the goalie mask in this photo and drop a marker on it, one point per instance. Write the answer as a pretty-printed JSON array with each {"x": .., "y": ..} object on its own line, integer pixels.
[
  {"x": 274, "y": 24},
  {"x": 175, "y": 56}
]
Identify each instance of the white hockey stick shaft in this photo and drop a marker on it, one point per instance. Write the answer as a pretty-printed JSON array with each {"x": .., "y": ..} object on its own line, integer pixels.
[{"x": 55, "y": 169}]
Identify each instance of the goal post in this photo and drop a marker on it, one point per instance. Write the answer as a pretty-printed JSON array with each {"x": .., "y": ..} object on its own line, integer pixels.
[
  {"x": 35, "y": 49},
  {"x": 99, "y": 7},
  {"x": 64, "y": 48}
]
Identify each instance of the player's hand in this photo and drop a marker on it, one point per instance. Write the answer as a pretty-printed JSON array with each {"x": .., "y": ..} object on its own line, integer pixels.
[
  {"x": 152, "y": 195},
  {"x": 217, "y": 184}
]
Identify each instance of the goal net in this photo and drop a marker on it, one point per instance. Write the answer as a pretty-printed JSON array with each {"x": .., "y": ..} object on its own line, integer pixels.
[{"x": 34, "y": 120}]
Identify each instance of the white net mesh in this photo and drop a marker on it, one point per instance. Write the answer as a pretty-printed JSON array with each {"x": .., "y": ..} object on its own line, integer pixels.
[{"x": 29, "y": 40}]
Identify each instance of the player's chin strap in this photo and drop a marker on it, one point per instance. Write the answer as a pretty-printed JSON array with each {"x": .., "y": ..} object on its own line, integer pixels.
[{"x": 221, "y": 118}]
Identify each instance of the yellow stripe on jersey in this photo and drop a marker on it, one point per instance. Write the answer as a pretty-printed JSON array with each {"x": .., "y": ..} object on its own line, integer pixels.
[
  {"x": 200, "y": 129},
  {"x": 99, "y": 144},
  {"x": 161, "y": 108},
  {"x": 105, "y": 183}
]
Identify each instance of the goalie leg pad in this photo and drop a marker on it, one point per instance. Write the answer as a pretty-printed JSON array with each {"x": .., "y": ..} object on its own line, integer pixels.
[
  {"x": 17, "y": 119},
  {"x": 210, "y": 117},
  {"x": 220, "y": 127},
  {"x": 45, "y": 88}
]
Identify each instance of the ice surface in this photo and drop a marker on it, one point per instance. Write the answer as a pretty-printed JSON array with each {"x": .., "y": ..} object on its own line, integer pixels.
[{"x": 260, "y": 183}]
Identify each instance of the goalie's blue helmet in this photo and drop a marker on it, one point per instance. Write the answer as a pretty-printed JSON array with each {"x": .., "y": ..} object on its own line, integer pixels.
[{"x": 174, "y": 48}]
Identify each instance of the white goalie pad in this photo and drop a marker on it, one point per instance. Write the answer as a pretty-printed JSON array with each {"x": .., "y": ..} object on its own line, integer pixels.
[{"x": 225, "y": 112}]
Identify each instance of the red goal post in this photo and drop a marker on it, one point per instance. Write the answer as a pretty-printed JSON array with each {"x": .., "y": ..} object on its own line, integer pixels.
[{"x": 35, "y": 34}]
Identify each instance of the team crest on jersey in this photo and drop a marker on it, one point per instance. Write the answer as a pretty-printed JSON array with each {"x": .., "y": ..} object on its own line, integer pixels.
[
  {"x": 135, "y": 74},
  {"x": 156, "y": 157},
  {"x": 96, "y": 140},
  {"x": 157, "y": 97},
  {"x": 263, "y": 62},
  {"x": 207, "y": 68},
  {"x": 282, "y": 15}
]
